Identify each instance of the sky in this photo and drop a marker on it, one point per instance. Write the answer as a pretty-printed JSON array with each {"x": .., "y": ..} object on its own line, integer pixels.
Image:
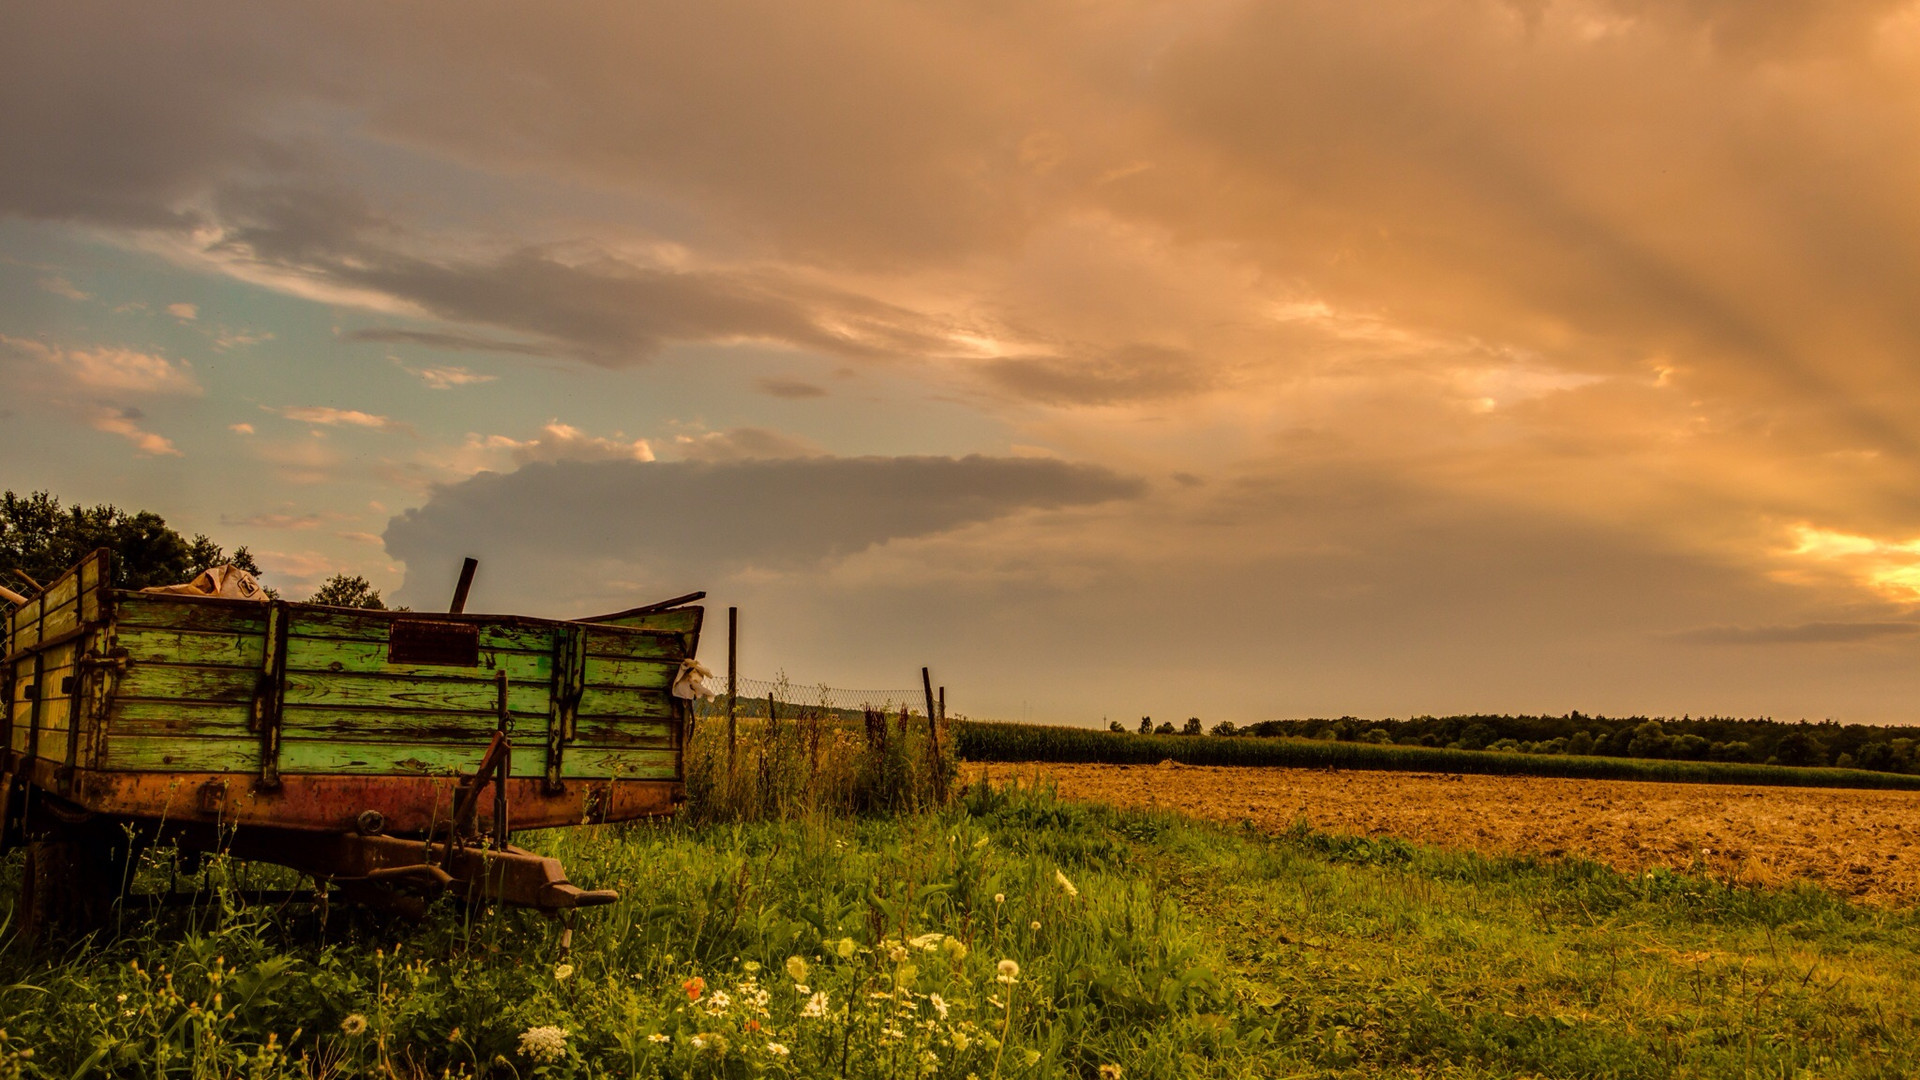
[{"x": 1219, "y": 358}]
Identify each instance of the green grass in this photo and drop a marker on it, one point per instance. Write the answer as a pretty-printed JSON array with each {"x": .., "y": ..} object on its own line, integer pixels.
[
  {"x": 981, "y": 741},
  {"x": 1184, "y": 949}
]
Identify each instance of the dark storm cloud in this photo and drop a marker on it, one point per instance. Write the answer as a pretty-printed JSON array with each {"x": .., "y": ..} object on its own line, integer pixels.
[{"x": 669, "y": 521}]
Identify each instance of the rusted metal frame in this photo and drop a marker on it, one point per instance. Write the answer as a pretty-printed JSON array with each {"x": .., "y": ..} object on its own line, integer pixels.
[
  {"x": 569, "y": 683},
  {"x": 269, "y": 698},
  {"x": 512, "y": 875},
  {"x": 503, "y": 729}
]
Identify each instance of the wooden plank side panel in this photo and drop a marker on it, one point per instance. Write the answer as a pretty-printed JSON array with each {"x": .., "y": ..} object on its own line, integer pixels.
[
  {"x": 619, "y": 703},
  {"x": 587, "y": 762},
  {"x": 133, "y": 720},
  {"x": 474, "y": 694},
  {"x": 529, "y": 636},
  {"x": 162, "y": 612},
  {"x": 346, "y": 656},
  {"x": 200, "y": 647},
  {"x": 181, "y": 682},
  {"x": 635, "y": 644},
  {"x": 424, "y": 726},
  {"x": 615, "y": 673},
  {"x": 185, "y": 753}
]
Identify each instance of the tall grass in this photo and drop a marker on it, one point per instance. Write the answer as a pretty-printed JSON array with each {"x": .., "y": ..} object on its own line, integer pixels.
[
  {"x": 1159, "y": 946},
  {"x": 807, "y": 759},
  {"x": 983, "y": 741}
]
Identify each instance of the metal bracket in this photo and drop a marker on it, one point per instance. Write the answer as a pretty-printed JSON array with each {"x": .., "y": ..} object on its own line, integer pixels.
[{"x": 270, "y": 693}]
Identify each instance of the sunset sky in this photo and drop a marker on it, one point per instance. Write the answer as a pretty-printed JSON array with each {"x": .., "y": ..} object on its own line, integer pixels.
[{"x": 1230, "y": 359}]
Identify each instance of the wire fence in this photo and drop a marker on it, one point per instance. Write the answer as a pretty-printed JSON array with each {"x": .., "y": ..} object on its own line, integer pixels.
[{"x": 790, "y": 692}]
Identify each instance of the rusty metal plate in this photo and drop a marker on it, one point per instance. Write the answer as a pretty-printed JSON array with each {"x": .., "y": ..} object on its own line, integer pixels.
[{"x": 417, "y": 641}]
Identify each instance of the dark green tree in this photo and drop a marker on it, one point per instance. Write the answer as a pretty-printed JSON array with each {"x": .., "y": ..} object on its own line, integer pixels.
[
  {"x": 42, "y": 539},
  {"x": 343, "y": 591}
]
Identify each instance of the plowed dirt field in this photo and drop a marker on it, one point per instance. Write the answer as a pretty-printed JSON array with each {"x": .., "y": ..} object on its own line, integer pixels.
[{"x": 1864, "y": 844}]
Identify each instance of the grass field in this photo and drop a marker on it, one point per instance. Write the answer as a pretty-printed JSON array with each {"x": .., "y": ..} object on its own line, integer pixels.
[
  {"x": 1144, "y": 941},
  {"x": 982, "y": 741}
]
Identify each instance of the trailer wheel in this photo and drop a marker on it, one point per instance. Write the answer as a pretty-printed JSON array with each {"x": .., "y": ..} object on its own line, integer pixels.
[
  {"x": 68, "y": 885},
  {"x": 41, "y": 883}
]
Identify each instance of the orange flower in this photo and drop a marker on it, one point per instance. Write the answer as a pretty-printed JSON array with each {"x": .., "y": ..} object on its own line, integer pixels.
[
  {"x": 694, "y": 988},
  {"x": 753, "y": 1025}
]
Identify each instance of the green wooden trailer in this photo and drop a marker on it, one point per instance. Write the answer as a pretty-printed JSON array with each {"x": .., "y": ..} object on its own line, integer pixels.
[{"x": 388, "y": 754}]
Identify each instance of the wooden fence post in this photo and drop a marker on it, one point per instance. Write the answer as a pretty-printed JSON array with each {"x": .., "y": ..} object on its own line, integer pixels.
[
  {"x": 733, "y": 684},
  {"x": 933, "y": 735}
]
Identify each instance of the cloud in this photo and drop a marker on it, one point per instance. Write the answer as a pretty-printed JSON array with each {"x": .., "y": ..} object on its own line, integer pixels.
[
  {"x": 1135, "y": 373},
  {"x": 564, "y": 442},
  {"x": 433, "y": 339},
  {"x": 240, "y": 429},
  {"x": 445, "y": 378},
  {"x": 184, "y": 312},
  {"x": 1815, "y": 633},
  {"x": 125, "y": 422},
  {"x": 565, "y": 525},
  {"x": 110, "y": 370},
  {"x": 307, "y": 520},
  {"x": 744, "y": 444},
  {"x": 791, "y": 389},
  {"x": 328, "y": 416},
  {"x": 60, "y": 286}
]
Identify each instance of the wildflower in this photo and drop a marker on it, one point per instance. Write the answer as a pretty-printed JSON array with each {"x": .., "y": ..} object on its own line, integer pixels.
[
  {"x": 354, "y": 1024},
  {"x": 844, "y": 948},
  {"x": 694, "y": 988},
  {"x": 751, "y": 966},
  {"x": 796, "y": 969},
  {"x": 890, "y": 1033},
  {"x": 120, "y": 999},
  {"x": 955, "y": 948},
  {"x": 1033, "y": 1058},
  {"x": 719, "y": 1002},
  {"x": 1034, "y": 925},
  {"x": 544, "y": 1043},
  {"x": 563, "y": 972},
  {"x": 1109, "y": 1072},
  {"x": 753, "y": 1025},
  {"x": 896, "y": 952},
  {"x": 656, "y": 1037},
  {"x": 939, "y": 1004},
  {"x": 1009, "y": 971},
  {"x": 928, "y": 942},
  {"x": 1060, "y": 879},
  {"x": 699, "y": 1042},
  {"x": 960, "y": 1041},
  {"x": 816, "y": 1007},
  {"x": 802, "y": 989},
  {"x": 777, "y": 1049},
  {"x": 929, "y": 1058},
  {"x": 999, "y": 898}
]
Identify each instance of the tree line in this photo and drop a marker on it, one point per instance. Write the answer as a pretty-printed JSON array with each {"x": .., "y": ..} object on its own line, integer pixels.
[
  {"x": 40, "y": 539},
  {"x": 1763, "y": 740}
]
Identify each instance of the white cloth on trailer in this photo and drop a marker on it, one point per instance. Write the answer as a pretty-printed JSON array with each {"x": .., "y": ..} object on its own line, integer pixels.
[
  {"x": 691, "y": 681},
  {"x": 225, "y": 580}
]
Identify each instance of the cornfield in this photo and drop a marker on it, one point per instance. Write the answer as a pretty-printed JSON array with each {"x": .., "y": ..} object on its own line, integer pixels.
[{"x": 985, "y": 741}]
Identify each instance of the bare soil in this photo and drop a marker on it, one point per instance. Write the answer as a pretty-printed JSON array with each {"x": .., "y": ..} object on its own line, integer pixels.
[{"x": 1862, "y": 844}]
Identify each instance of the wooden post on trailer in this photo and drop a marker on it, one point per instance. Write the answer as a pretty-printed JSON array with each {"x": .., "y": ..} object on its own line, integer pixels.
[
  {"x": 459, "y": 604},
  {"x": 733, "y": 685}
]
